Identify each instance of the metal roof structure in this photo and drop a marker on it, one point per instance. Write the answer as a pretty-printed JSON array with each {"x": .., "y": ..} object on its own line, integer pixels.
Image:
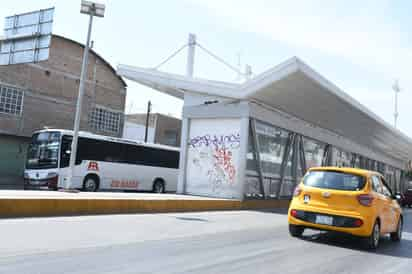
[{"x": 295, "y": 88}]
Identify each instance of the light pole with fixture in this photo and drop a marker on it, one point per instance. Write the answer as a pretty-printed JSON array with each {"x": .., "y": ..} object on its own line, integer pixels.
[{"x": 92, "y": 9}]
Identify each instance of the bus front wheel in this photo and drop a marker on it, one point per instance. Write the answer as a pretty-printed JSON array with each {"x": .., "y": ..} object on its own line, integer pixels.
[{"x": 91, "y": 183}]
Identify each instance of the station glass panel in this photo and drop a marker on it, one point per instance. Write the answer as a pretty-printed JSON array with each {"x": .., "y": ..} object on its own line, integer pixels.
[
  {"x": 381, "y": 168},
  {"x": 252, "y": 185},
  {"x": 397, "y": 180},
  {"x": 314, "y": 151},
  {"x": 272, "y": 144},
  {"x": 356, "y": 160},
  {"x": 341, "y": 158}
]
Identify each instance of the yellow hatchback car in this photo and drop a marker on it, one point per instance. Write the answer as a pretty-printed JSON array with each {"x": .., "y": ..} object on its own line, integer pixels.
[{"x": 347, "y": 200}]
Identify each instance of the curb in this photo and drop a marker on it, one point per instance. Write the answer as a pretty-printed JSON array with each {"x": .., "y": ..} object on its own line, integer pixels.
[{"x": 26, "y": 207}]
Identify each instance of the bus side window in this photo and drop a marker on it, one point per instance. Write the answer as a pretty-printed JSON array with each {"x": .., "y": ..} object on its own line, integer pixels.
[
  {"x": 134, "y": 154},
  {"x": 113, "y": 152},
  {"x": 90, "y": 149}
]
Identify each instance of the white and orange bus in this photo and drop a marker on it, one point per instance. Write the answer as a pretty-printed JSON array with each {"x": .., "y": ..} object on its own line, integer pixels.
[{"x": 102, "y": 163}]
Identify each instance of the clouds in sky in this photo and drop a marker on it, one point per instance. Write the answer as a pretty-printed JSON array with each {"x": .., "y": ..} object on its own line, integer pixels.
[
  {"x": 356, "y": 30},
  {"x": 366, "y": 34}
]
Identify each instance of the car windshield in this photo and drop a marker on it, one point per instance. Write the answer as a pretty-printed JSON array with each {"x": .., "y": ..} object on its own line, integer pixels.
[
  {"x": 334, "y": 180},
  {"x": 43, "y": 151}
]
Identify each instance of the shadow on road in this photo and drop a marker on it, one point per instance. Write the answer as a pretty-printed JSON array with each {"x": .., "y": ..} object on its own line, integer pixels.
[
  {"x": 192, "y": 219},
  {"x": 401, "y": 249}
]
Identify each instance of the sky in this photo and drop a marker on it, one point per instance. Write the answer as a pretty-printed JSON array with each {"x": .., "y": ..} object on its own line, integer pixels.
[{"x": 360, "y": 46}]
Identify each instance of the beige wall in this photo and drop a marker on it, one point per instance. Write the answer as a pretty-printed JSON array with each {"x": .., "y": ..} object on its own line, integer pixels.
[
  {"x": 163, "y": 124},
  {"x": 167, "y": 124}
]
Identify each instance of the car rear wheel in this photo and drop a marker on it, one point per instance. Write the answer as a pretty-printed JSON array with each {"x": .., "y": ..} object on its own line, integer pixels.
[
  {"x": 296, "y": 231},
  {"x": 372, "y": 242},
  {"x": 397, "y": 235}
]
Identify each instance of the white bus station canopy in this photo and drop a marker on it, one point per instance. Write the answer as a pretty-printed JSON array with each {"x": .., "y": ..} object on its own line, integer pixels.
[{"x": 297, "y": 89}]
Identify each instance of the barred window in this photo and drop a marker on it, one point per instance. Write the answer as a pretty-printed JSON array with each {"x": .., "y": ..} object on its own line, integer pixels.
[
  {"x": 104, "y": 120},
  {"x": 11, "y": 100}
]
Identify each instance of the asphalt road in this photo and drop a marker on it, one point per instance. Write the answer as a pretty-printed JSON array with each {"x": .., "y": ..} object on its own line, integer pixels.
[{"x": 209, "y": 242}]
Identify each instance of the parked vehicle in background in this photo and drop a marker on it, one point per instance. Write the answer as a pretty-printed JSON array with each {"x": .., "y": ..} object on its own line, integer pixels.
[
  {"x": 349, "y": 200},
  {"x": 102, "y": 163},
  {"x": 406, "y": 198}
]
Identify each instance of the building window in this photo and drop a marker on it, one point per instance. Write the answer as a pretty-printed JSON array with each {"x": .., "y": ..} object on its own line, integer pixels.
[
  {"x": 104, "y": 120},
  {"x": 11, "y": 100}
]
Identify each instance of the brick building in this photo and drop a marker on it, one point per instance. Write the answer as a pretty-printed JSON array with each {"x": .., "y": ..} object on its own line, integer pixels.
[{"x": 44, "y": 94}]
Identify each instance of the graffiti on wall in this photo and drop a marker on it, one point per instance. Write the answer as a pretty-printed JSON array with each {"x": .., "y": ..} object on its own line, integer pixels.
[
  {"x": 214, "y": 157},
  {"x": 216, "y": 141}
]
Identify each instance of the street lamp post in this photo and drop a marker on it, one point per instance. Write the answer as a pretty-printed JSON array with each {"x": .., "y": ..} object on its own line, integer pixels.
[{"x": 92, "y": 9}]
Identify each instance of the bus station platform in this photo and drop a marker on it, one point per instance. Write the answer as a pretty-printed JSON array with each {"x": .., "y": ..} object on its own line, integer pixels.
[{"x": 18, "y": 203}]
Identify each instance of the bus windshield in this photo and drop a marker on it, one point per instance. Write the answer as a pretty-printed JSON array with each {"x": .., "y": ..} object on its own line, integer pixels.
[{"x": 43, "y": 151}]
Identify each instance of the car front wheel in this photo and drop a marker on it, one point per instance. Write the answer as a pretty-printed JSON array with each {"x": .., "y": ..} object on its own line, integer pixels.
[
  {"x": 397, "y": 235},
  {"x": 372, "y": 242}
]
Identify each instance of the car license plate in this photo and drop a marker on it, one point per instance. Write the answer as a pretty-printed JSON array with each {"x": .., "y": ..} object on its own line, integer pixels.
[{"x": 324, "y": 220}]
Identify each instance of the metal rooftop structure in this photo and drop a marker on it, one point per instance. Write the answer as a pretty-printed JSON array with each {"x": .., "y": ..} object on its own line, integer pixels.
[{"x": 295, "y": 88}]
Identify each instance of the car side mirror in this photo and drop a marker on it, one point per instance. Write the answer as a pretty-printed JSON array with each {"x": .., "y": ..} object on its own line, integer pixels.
[{"x": 396, "y": 197}]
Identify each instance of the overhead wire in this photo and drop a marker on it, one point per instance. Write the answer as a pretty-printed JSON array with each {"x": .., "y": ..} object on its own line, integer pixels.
[
  {"x": 171, "y": 56},
  {"x": 220, "y": 59}
]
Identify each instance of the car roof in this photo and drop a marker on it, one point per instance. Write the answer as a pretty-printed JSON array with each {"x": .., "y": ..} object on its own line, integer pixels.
[{"x": 351, "y": 170}]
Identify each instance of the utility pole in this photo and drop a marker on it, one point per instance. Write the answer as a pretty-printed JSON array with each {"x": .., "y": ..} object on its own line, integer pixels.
[
  {"x": 396, "y": 89},
  {"x": 91, "y": 9},
  {"x": 149, "y": 109}
]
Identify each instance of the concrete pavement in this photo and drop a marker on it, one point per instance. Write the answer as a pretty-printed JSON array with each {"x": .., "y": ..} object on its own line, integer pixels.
[{"x": 206, "y": 242}]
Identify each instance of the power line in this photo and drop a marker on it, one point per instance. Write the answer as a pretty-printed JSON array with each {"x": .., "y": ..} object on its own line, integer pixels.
[{"x": 220, "y": 59}]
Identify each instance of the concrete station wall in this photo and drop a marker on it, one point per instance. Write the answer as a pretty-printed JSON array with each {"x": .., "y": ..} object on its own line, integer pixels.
[{"x": 213, "y": 157}]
